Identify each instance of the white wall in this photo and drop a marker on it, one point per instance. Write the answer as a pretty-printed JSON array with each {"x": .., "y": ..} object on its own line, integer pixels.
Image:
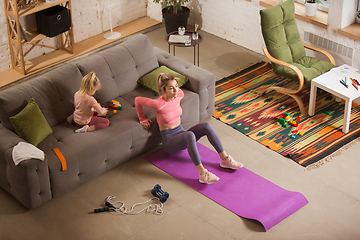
[
  {"x": 90, "y": 17},
  {"x": 235, "y": 20},
  {"x": 5, "y": 61},
  {"x": 239, "y": 21},
  {"x": 348, "y": 12}
]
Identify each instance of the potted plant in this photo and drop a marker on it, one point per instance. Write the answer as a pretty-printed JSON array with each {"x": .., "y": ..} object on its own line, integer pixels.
[
  {"x": 311, "y": 7},
  {"x": 174, "y": 13}
]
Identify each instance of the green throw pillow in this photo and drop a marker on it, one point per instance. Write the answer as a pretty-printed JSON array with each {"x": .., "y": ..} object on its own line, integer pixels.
[
  {"x": 30, "y": 124},
  {"x": 149, "y": 80}
]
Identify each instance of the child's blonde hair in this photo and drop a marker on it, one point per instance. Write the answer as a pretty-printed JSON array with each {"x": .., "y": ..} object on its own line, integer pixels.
[
  {"x": 163, "y": 79},
  {"x": 89, "y": 82}
]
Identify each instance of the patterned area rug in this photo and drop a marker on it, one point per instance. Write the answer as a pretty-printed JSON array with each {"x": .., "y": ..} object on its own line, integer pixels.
[{"x": 241, "y": 102}]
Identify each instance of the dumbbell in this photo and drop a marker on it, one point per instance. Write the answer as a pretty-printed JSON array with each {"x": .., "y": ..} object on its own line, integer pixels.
[
  {"x": 157, "y": 188},
  {"x": 158, "y": 192}
]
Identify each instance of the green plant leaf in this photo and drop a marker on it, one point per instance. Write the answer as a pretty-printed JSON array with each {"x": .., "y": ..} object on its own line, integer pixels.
[{"x": 176, "y": 4}]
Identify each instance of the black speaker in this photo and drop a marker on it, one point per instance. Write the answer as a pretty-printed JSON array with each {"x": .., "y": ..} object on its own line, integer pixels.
[{"x": 53, "y": 21}]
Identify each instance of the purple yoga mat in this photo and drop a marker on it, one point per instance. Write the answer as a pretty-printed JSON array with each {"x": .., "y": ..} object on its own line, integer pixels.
[{"x": 240, "y": 191}]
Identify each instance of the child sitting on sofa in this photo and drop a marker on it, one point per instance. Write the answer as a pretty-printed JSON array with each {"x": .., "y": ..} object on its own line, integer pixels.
[
  {"x": 174, "y": 137},
  {"x": 85, "y": 105}
]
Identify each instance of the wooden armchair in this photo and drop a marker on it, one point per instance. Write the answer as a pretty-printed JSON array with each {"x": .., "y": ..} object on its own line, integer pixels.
[{"x": 286, "y": 50}]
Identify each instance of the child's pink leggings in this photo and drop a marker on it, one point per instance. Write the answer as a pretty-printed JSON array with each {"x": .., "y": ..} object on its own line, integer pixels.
[{"x": 99, "y": 123}]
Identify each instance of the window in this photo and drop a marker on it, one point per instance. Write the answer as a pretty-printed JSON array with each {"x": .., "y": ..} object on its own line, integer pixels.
[{"x": 323, "y": 5}]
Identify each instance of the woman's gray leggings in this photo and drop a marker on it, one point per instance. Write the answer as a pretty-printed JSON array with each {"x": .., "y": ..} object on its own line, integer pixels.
[{"x": 177, "y": 139}]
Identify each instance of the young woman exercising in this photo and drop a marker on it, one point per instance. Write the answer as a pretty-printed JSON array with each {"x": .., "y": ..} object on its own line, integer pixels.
[{"x": 174, "y": 137}]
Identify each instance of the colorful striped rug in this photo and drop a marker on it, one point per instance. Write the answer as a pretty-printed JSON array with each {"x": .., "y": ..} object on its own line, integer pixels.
[{"x": 241, "y": 102}]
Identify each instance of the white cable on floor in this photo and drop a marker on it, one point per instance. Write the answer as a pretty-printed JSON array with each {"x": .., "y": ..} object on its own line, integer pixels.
[{"x": 155, "y": 208}]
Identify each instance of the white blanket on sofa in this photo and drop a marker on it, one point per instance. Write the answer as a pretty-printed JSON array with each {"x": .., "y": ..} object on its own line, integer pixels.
[{"x": 25, "y": 151}]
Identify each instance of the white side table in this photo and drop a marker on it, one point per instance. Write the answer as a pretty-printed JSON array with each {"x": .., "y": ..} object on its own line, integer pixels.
[{"x": 330, "y": 82}]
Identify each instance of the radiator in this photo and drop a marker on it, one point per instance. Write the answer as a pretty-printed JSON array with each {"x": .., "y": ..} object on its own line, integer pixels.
[{"x": 342, "y": 54}]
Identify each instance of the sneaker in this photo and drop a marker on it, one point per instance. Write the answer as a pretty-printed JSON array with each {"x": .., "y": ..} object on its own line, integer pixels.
[
  {"x": 83, "y": 129},
  {"x": 229, "y": 162},
  {"x": 208, "y": 177}
]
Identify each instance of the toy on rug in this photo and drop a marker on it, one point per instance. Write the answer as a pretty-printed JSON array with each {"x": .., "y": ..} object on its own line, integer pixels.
[
  {"x": 155, "y": 208},
  {"x": 287, "y": 118}
]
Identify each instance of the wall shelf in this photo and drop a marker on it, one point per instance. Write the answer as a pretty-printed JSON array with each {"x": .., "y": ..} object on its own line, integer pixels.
[
  {"x": 42, "y": 63},
  {"x": 41, "y": 5},
  {"x": 16, "y": 41}
]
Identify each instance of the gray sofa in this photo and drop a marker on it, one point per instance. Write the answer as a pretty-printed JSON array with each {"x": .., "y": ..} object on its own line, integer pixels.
[{"x": 34, "y": 182}]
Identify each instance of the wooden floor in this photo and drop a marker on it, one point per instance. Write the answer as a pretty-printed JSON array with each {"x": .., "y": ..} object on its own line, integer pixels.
[{"x": 59, "y": 56}]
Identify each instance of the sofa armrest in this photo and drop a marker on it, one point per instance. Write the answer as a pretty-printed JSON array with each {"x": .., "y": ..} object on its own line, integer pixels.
[
  {"x": 200, "y": 81},
  {"x": 29, "y": 181}
]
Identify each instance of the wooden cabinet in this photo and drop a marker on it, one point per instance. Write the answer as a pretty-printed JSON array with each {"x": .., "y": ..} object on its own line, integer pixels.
[{"x": 17, "y": 42}]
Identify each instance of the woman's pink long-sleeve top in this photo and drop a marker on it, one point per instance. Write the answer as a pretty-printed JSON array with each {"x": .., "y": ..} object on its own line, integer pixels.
[{"x": 167, "y": 112}]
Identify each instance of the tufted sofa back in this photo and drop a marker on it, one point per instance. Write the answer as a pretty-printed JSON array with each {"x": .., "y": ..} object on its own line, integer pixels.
[
  {"x": 54, "y": 90},
  {"x": 120, "y": 74}
]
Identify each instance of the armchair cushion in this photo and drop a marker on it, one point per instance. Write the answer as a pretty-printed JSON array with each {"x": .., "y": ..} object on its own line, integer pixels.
[
  {"x": 280, "y": 32},
  {"x": 282, "y": 39},
  {"x": 309, "y": 66}
]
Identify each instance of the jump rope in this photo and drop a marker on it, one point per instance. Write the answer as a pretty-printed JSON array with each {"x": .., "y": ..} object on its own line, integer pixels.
[{"x": 157, "y": 209}]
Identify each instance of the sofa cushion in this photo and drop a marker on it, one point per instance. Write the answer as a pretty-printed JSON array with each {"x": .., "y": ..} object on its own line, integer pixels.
[
  {"x": 142, "y": 51},
  {"x": 123, "y": 69},
  {"x": 96, "y": 63},
  {"x": 149, "y": 80},
  {"x": 67, "y": 80},
  {"x": 30, "y": 124},
  {"x": 118, "y": 75}
]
